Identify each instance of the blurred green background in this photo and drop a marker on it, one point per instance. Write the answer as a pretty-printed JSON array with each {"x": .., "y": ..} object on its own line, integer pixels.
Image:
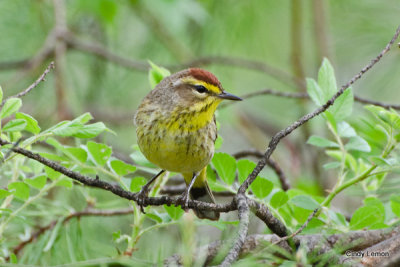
[{"x": 236, "y": 37}]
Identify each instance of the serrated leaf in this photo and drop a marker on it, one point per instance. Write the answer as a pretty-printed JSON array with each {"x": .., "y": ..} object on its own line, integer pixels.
[
  {"x": 38, "y": 182},
  {"x": 84, "y": 118},
  {"x": 225, "y": 165},
  {"x": 11, "y": 106},
  {"x": 261, "y": 187},
  {"x": 321, "y": 142},
  {"x": 21, "y": 190},
  {"x": 305, "y": 202},
  {"x": 345, "y": 130},
  {"x": 76, "y": 153},
  {"x": 90, "y": 131},
  {"x": 99, "y": 152},
  {"x": 327, "y": 80},
  {"x": 174, "y": 212},
  {"x": 137, "y": 183},
  {"x": 279, "y": 199},
  {"x": 395, "y": 204},
  {"x": 358, "y": 143},
  {"x": 343, "y": 106},
  {"x": 121, "y": 168},
  {"x": 14, "y": 125},
  {"x": 156, "y": 74},
  {"x": 31, "y": 124},
  {"x": 245, "y": 167},
  {"x": 4, "y": 193},
  {"x": 314, "y": 91},
  {"x": 367, "y": 216}
]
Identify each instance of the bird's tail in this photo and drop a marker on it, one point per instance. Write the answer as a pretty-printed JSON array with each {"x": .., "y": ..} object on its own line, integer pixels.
[{"x": 202, "y": 192}]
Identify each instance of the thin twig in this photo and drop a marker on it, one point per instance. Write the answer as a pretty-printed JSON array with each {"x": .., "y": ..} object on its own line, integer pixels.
[
  {"x": 32, "y": 86},
  {"x": 298, "y": 231},
  {"x": 270, "y": 162},
  {"x": 283, "y": 133},
  {"x": 41, "y": 230},
  {"x": 243, "y": 211}
]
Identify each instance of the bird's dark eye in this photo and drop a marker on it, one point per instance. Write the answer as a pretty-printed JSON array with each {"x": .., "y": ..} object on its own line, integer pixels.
[{"x": 200, "y": 88}]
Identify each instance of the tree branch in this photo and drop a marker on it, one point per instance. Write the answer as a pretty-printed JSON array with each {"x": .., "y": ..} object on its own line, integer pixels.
[
  {"x": 270, "y": 162},
  {"x": 283, "y": 133},
  {"x": 243, "y": 210},
  {"x": 32, "y": 86}
]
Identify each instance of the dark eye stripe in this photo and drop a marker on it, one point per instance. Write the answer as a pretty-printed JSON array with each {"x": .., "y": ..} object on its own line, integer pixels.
[{"x": 200, "y": 88}]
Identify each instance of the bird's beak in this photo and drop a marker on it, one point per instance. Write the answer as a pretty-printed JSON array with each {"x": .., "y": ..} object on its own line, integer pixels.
[{"x": 225, "y": 95}]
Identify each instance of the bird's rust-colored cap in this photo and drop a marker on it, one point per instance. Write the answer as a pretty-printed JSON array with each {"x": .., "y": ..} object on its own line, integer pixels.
[{"x": 204, "y": 75}]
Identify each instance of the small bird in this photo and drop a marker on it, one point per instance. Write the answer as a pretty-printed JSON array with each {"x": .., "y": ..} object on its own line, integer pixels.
[{"x": 176, "y": 130}]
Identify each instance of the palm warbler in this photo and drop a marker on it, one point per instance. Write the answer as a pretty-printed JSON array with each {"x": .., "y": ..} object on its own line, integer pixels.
[{"x": 176, "y": 130}]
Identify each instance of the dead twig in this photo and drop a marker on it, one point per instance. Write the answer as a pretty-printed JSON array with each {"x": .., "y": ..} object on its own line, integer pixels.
[{"x": 32, "y": 86}]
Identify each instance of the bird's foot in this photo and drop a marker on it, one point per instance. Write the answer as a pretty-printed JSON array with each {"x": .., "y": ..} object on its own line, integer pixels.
[
  {"x": 142, "y": 195},
  {"x": 183, "y": 200}
]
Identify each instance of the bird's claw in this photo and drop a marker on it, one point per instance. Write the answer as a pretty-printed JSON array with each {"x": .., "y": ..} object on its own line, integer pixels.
[
  {"x": 183, "y": 201},
  {"x": 142, "y": 195}
]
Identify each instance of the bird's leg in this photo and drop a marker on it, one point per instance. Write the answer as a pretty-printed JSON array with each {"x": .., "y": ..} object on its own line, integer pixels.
[
  {"x": 142, "y": 194},
  {"x": 183, "y": 199}
]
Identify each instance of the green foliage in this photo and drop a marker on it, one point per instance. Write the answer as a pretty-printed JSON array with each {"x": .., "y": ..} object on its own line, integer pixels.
[{"x": 156, "y": 74}]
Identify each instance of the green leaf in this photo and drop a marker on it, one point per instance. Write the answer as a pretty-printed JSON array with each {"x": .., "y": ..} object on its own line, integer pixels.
[
  {"x": 331, "y": 165},
  {"x": 305, "y": 202},
  {"x": 84, "y": 118},
  {"x": 156, "y": 74},
  {"x": 121, "y": 168},
  {"x": 52, "y": 174},
  {"x": 395, "y": 204},
  {"x": 327, "y": 80},
  {"x": 13, "y": 257},
  {"x": 174, "y": 212},
  {"x": 54, "y": 235},
  {"x": 67, "y": 128},
  {"x": 1, "y": 94},
  {"x": 38, "y": 182},
  {"x": 261, "y": 187},
  {"x": 76, "y": 153},
  {"x": 314, "y": 91},
  {"x": 99, "y": 152},
  {"x": 4, "y": 193},
  {"x": 321, "y": 142},
  {"x": 90, "y": 131},
  {"x": 154, "y": 217},
  {"x": 379, "y": 161},
  {"x": 358, "y": 143},
  {"x": 245, "y": 167},
  {"x": 137, "y": 183},
  {"x": 21, "y": 190},
  {"x": 11, "y": 106},
  {"x": 225, "y": 165},
  {"x": 65, "y": 182},
  {"x": 349, "y": 159},
  {"x": 343, "y": 106},
  {"x": 15, "y": 125},
  {"x": 367, "y": 216},
  {"x": 279, "y": 199},
  {"x": 218, "y": 142},
  {"x": 31, "y": 124},
  {"x": 345, "y": 130}
]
